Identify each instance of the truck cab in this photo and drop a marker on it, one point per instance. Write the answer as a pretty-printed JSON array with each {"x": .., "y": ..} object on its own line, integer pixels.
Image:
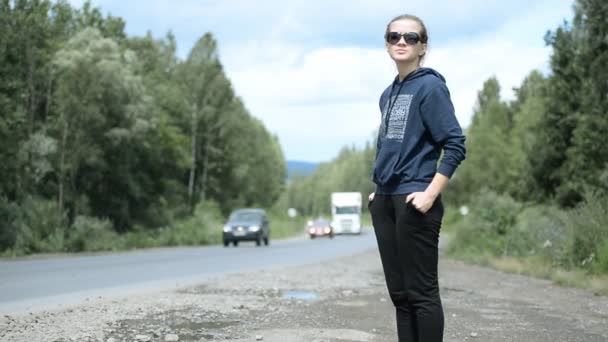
[{"x": 346, "y": 212}]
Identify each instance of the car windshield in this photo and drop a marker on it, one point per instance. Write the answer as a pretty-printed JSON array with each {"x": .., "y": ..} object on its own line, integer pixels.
[
  {"x": 321, "y": 223},
  {"x": 347, "y": 210},
  {"x": 245, "y": 216}
]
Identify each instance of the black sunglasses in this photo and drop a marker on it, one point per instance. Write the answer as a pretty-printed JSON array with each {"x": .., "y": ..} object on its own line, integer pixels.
[{"x": 411, "y": 38}]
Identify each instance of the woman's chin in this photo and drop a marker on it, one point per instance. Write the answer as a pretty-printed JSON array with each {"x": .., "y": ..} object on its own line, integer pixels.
[{"x": 402, "y": 59}]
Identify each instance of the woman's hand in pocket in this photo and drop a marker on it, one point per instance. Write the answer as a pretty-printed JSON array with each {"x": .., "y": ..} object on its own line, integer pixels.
[{"x": 422, "y": 201}]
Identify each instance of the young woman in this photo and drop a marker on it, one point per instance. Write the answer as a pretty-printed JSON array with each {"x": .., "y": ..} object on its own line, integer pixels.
[{"x": 418, "y": 123}]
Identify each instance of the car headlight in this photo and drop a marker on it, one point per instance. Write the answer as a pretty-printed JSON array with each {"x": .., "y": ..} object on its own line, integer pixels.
[
  {"x": 254, "y": 228},
  {"x": 227, "y": 229}
]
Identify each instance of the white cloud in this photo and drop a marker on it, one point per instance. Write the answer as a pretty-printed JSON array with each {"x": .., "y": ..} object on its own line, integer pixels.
[
  {"x": 467, "y": 68},
  {"x": 312, "y": 71},
  {"x": 330, "y": 99},
  {"x": 319, "y": 100},
  {"x": 326, "y": 100}
]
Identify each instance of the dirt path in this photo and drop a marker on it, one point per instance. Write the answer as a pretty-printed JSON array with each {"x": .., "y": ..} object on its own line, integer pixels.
[{"x": 341, "y": 300}]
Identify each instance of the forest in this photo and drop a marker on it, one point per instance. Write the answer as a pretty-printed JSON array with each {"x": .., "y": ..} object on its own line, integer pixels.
[{"x": 111, "y": 141}]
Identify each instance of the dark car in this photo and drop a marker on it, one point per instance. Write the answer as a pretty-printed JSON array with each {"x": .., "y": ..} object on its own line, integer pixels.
[
  {"x": 247, "y": 225},
  {"x": 320, "y": 227}
]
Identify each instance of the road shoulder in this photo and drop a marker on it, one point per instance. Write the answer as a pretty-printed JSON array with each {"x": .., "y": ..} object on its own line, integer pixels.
[{"x": 341, "y": 300}]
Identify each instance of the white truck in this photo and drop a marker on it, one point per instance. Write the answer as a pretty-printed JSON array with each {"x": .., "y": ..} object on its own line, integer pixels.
[{"x": 346, "y": 212}]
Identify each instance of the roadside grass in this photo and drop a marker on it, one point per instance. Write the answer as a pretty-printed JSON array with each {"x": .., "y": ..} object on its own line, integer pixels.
[
  {"x": 283, "y": 226},
  {"x": 599, "y": 285},
  {"x": 509, "y": 265},
  {"x": 366, "y": 219},
  {"x": 89, "y": 234},
  {"x": 567, "y": 246},
  {"x": 535, "y": 266}
]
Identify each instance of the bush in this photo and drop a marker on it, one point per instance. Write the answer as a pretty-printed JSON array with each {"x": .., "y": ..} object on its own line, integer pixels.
[
  {"x": 92, "y": 234},
  {"x": 139, "y": 238},
  {"x": 588, "y": 224},
  {"x": 602, "y": 258},
  {"x": 9, "y": 216},
  {"x": 497, "y": 226},
  {"x": 486, "y": 229},
  {"x": 540, "y": 232},
  {"x": 40, "y": 227},
  {"x": 451, "y": 217},
  {"x": 204, "y": 227}
]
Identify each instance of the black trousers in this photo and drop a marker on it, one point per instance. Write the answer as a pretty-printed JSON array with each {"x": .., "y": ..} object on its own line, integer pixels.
[{"x": 408, "y": 241}]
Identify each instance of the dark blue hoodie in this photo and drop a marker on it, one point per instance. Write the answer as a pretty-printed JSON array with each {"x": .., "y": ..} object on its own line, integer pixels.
[{"x": 420, "y": 124}]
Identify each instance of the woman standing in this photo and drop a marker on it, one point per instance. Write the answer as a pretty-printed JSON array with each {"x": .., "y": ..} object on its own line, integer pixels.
[{"x": 418, "y": 122}]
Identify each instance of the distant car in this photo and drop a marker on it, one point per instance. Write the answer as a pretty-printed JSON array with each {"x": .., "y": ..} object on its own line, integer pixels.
[
  {"x": 319, "y": 228},
  {"x": 247, "y": 225}
]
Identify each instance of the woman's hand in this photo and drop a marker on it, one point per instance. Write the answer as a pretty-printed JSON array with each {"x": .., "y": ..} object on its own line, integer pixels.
[
  {"x": 371, "y": 196},
  {"x": 422, "y": 201}
]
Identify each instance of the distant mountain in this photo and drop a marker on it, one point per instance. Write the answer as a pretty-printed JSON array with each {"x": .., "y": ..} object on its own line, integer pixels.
[{"x": 300, "y": 168}]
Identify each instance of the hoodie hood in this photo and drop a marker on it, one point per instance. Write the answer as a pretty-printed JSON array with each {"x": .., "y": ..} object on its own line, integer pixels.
[{"x": 420, "y": 72}]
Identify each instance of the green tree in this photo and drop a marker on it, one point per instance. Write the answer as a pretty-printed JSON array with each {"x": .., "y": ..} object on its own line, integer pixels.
[
  {"x": 489, "y": 154},
  {"x": 557, "y": 125},
  {"x": 109, "y": 26},
  {"x": 99, "y": 116},
  {"x": 586, "y": 157},
  {"x": 528, "y": 109},
  {"x": 164, "y": 152},
  {"x": 569, "y": 158},
  {"x": 31, "y": 33},
  {"x": 206, "y": 87},
  {"x": 233, "y": 158}
]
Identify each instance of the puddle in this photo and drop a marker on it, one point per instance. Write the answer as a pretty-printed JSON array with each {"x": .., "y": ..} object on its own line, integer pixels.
[
  {"x": 355, "y": 304},
  {"x": 207, "y": 325},
  {"x": 299, "y": 295}
]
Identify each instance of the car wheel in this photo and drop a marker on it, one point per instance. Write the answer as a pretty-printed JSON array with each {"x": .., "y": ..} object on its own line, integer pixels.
[
  {"x": 235, "y": 243},
  {"x": 312, "y": 236},
  {"x": 258, "y": 240},
  {"x": 331, "y": 236},
  {"x": 226, "y": 243}
]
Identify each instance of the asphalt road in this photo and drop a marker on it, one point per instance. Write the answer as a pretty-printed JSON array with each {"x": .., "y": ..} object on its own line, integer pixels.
[{"x": 41, "y": 284}]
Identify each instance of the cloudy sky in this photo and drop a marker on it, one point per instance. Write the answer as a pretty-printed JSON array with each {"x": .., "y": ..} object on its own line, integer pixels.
[{"x": 312, "y": 70}]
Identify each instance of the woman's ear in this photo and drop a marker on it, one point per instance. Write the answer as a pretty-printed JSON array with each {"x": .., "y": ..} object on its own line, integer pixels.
[{"x": 422, "y": 50}]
